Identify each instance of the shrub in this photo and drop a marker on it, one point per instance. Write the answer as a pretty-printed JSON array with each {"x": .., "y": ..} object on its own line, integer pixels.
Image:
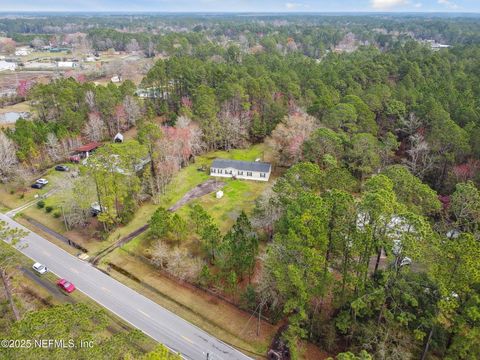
[
  {"x": 41, "y": 204},
  {"x": 56, "y": 214},
  {"x": 49, "y": 208},
  {"x": 12, "y": 192}
]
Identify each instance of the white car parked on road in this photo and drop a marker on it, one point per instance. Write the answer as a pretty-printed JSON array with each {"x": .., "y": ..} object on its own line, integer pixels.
[
  {"x": 40, "y": 268},
  {"x": 42, "y": 181}
]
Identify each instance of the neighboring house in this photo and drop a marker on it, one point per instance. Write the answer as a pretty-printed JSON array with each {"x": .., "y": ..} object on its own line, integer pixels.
[
  {"x": 84, "y": 151},
  {"x": 67, "y": 64},
  {"x": 151, "y": 93},
  {"x": 22, "y": 51},
  {"x": 6, "y": 65},
  {"x": 249, "y": 170}
]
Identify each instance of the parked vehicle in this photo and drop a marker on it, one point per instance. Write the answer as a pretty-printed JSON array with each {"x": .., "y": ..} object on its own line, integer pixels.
[
  {"x": 62, "y": 168},
  {"x": 37, "y": 186},
  {"x": 406, "y": 261},
  {"x": 66, "y": 285},
  {"x": 95, "y": 209},
  {"x": 40, "y": 268},
  {"x": 42, "y": 181}
]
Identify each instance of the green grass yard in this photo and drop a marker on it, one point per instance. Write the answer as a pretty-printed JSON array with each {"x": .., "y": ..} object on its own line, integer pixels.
[{"x": 238, "y": 194}]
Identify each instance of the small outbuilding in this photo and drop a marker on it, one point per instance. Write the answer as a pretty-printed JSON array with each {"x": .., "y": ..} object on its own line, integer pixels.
[
  {"x": 115, "y": 79},
  {"x": 118, "y": 138},
  {"x": 248, "y": 170}
]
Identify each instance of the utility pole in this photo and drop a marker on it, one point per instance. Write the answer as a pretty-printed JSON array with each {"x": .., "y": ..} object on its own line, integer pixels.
[{"x": 258, "y": 322}]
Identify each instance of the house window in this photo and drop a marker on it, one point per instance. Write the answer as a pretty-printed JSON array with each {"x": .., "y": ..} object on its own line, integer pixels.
[
  {"x": 220, "y": 171},
  {"x": 262, "y": 175},
  {"x": 240, "y": 173},
  {"x": 214, "y": 171},
  {"x": 230, "y": 172},
  {"x": 249, "y": 173}
]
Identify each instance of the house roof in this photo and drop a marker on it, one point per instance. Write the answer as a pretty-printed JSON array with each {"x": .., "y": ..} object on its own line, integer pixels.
[
  {"x": 241, "y": 165},
  {"x": 88, "y": 147}
]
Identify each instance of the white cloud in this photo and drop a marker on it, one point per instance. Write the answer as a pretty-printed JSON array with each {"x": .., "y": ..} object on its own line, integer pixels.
[
  {"x": 295, "y": 6},
  {"x": 448, "y": 3},
  {"x": 388, "y": 4},
  {"x": 418, "y": 5}
]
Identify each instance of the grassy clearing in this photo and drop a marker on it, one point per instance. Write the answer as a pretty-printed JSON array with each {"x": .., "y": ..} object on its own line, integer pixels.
[
  {"x": 23, "y": 106},
  {"x": 14, "y": 195},
  {"x": 208, "y": 312},
  {"x": 44, "y": 55},
  {"x": 238, "y": 194}
]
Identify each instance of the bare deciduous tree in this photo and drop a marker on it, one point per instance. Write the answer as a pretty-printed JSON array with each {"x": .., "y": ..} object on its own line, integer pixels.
[
  {"x": 8, "y": 158},
  {"x": 90, "y": 100},
  {"x": 176, "y": 262},
  {"x": 132, "y": 109},
  {"x": 95, "y": 128},
  {"x": 132, "y": 46},
  {"x": 160, "y": 254},
  {"x": 54, "y": 148},
  {"x": 234, "y": 130},
  {"x": 420, "y": 160},
  {"x": 288, "y": 137},
  {"x": 267, "y": 211}
]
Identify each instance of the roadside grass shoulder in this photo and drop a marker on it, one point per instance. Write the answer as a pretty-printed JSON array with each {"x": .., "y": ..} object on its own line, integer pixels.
[
  {"x": 35, "y": 292},
  {"x": 206, "y": 311}
]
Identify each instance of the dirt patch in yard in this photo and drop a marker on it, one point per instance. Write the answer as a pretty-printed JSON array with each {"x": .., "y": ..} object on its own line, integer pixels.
[{"x": 204, "y": 188}]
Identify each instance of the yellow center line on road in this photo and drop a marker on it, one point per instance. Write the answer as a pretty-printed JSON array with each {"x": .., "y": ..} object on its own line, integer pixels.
[
  {"x": 184, "y": 337},
  {"x": 144, "y": 313}
]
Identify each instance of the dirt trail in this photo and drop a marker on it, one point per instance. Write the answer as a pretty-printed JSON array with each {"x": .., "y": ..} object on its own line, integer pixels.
[{"x": 204, "y": 188}]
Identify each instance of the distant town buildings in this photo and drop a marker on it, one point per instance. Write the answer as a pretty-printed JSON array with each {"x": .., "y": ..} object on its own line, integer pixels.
[
  {"x": 67, "y": 64},
  {"x": 22, "y": 51}
]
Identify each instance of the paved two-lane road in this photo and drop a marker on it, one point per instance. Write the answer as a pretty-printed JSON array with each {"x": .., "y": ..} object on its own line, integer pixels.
[{"x": 155, "y": 321}]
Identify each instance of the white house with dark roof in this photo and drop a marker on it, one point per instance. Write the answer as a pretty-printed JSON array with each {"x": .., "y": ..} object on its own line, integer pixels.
[{"x": 248, "y": 170}]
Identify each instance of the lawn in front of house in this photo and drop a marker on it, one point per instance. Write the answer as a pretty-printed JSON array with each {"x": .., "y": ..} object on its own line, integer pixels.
[
  {"x": 238, "y": 194},
  {"x": 16, "y": 194}
]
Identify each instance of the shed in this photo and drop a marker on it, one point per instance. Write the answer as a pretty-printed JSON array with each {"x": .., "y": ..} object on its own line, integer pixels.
[{"x": 118, "y": 138}]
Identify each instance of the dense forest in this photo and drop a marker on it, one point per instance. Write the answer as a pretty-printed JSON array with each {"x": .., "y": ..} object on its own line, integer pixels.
[{"x": 370, "y": 237}]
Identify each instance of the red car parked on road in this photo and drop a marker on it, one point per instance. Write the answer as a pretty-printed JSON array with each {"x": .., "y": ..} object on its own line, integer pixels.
[{"x": 66, "y": 285}]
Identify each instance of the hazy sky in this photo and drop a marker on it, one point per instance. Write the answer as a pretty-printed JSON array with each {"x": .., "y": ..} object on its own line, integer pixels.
[{"x": 243, "y": 5}]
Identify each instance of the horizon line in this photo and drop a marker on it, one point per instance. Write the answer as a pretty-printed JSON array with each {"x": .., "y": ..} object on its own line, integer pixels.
[{"x": 126, "y": 12}]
